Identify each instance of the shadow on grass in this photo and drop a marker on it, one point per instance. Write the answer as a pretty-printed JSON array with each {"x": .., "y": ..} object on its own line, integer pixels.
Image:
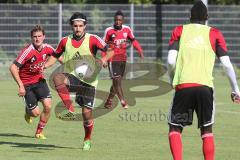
[
  {"x": 14, "y": 135},
  {"x": 37, "y": 145},
  {"x": 33, "y": 145}
]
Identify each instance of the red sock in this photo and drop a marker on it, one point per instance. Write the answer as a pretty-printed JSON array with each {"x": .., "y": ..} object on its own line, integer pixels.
[
  {"x": 208, "y": 146},
  {"x": 175, "y": 141},
  {"x": 40, "y": 126},
  {"x": 65, "y": 96},
  {"x": 88, "y": 130}
]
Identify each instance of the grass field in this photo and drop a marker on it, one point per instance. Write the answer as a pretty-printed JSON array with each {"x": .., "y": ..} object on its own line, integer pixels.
[{"x": 118, "y": 135}]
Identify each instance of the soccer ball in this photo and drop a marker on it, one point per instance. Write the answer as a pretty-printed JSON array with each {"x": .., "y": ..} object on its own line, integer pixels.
[{"x": 81, "y": 70}]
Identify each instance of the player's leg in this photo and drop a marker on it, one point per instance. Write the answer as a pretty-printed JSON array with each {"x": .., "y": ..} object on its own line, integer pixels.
[
  {"x": 112, "y": 93},
  {"x": 60, "y": 81},
  {"x": 43, "y": 94},
  {"x": 180, "y": 115},
  {"x": 43, "y": 118},
  {"x": 85, "y": 98},
  {"x": 32, "y": 109},
  {"x": 208, "y": 146},
  {"x": 175, "y": 141},
  {"x": 88, "y": 124},
  {"x": 205, "y": 112},
  {"x": 117, "y": 70}
]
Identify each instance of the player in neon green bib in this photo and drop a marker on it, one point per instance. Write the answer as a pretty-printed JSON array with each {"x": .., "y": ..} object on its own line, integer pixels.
[
  {"x": 191, "y": 57},
  {"x": 81, "y": 68}
]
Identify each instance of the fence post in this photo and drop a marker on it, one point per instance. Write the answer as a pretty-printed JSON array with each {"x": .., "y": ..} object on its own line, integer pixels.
[
  {"x": 59, "y": 22},
  {"x": 131, "y": 49}
]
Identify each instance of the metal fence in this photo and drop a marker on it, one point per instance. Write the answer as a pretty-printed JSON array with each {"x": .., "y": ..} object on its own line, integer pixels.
[{"x": 152, "y": 24}]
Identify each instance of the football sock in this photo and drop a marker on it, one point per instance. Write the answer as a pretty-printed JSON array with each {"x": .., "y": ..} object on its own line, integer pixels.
[
  {"x": 175, "y": 141},
  {"x": 40, "y": 126},
  {"x": 65, "y": 96},
  {"x": 88, "y": 130},
  {"x": 208, "y": 146}
]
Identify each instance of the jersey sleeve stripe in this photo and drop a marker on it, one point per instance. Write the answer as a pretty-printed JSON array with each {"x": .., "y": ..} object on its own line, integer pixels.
[
  {"x": 105, "y": 33},
  {"x": 24, "y": 54},
  {"x": 100, "y": 40},
  {"x": 130, "y": 30}
]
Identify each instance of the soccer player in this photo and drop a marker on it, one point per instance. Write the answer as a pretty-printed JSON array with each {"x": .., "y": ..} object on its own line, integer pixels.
[
  {"x": 75, "y": 47},
  {"x": 27, "y": 72},
  {"x": 191, "y": 56},
  {"x": 117, "y": 35}
]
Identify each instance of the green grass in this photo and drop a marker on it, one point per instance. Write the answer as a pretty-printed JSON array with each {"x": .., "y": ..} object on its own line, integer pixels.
[{"x": 118, "y": 135}]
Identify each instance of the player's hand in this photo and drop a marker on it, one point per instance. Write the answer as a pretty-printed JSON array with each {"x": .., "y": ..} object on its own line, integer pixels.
[
  {"x": 235, "y": 97},
  {"x": 105, "y": 64},
  {"x": 142, "y": 56},
  {"x": 21, "y": 91}
]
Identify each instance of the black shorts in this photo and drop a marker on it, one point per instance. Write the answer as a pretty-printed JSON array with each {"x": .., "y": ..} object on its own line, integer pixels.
[
  {"x": 85, "y": 93},
  {"x": 35, "y": 92},
  {"x": 186, "y": 101},
  {"x": 116, "y": 68}
]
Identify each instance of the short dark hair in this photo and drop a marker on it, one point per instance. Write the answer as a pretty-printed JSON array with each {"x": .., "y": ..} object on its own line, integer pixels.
[
  {"x": 119, "y": 13},
  {"x": 78, "y": 15},
  {"x": 36, "y": 29},
  {"x": 199, "y": 12}
]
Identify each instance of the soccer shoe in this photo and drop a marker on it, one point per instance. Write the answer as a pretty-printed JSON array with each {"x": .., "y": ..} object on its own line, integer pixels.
[
  {"x": 66, "y": 115},
  {"x": 124, "y": 104},
  {"x": 28, "y": 118},
  {"x": 86, "y": 145},
  {"x": 40, "y": 136},
  {"x": 108, "y": 104}
]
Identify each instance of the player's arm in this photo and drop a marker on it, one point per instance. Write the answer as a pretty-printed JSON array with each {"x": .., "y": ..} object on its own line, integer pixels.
[
  {"x": 14, "y": 69},
  {"x": 171, "y": 63},
  {"x": 98, "y": 43},
  {"x": 109, "y": 53},
  {"x": 106, "y": 39},
  {"x": 221, "y": 52},
  {"x": 135, "y": 43},
  {"x": 173, "y": 51},
  {"x": 57, "y": 55},
  {"x": 228, "y": 68}
]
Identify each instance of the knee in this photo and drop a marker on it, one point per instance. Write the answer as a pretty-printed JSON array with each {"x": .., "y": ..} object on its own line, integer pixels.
[
  {"x": 47, "y": 109},
  {"x": 58, "y": 79},
  {"x": 117, "y": 80},
  {"x": 175, "y": 129},
  {"x": 88, "y": 122},
  {"x": 205, "y": 130}
]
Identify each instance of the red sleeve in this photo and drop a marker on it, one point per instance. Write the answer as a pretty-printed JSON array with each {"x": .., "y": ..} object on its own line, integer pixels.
[
  {"x": 61, "y": 47},
  {"x": 24, "y": 56},
  {"x": 50, "y": 50},
  {"x": 218, "y": 42},
  {"x": 175, "y": 37},
  {"x": 96, "y": 43},
  {"x": 138, "y": 47},
  {"x": 106, "y": 36},
  {"x": 130, "y": 34}
]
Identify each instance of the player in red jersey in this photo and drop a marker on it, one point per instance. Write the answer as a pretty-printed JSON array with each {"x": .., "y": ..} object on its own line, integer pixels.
[
  {"x": 27, "y": 72},
  {"x": 74, "y": 48},
  {"x": 117, "y": 35},
  {"x": 192, "y": 51}
]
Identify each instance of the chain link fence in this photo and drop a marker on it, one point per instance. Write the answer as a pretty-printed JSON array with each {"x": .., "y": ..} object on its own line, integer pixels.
[{"x": 152, "y": 25}]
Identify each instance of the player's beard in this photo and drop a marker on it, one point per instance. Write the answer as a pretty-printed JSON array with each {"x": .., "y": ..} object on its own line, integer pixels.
[
  {"x": 117, "y": 27},
  {"x": 79, "y": 36}
]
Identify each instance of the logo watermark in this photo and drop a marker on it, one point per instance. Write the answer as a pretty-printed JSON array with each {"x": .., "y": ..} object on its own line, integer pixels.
[
  {"x": 142, "y": 116},
  {"x": 151, "y": 77}
]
